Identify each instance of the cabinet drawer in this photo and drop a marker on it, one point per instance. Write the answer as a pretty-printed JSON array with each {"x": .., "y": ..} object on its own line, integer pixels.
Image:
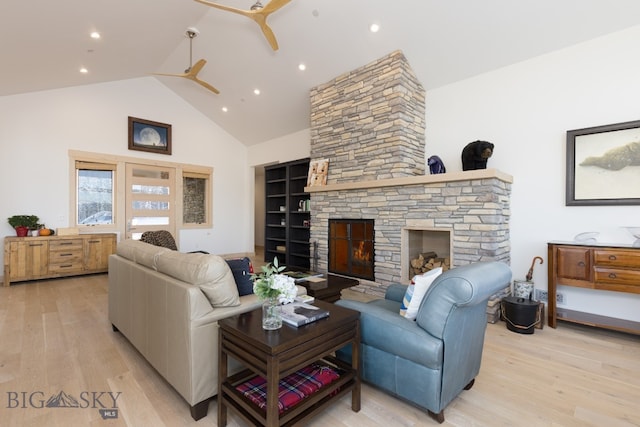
[
  {"x": 618, "y": 258},
  {"x": 65, "y": 256},
  {"x": 617, "y": 279},
  {"x": 66, "y": 268},
  {"x": 574, "y": 263},
  {"x": 66, "y": 245}
]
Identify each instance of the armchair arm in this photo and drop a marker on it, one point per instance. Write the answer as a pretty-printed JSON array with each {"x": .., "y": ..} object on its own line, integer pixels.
[
  {"x": 395, "y": 292},
  {"x": 392, "y": 333}
]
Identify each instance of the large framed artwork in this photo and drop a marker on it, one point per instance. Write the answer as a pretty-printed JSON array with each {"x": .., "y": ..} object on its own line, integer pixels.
[
  {"x": 603, "y": 165},
  {"x": 150, "y": 136}
]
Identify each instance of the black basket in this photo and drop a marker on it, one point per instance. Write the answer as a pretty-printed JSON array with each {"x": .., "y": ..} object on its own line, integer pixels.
[{"x": 522, "y": 315}]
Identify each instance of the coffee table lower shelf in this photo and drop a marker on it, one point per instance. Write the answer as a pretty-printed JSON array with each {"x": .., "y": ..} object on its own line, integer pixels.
[{"x": 307, "y": 407}]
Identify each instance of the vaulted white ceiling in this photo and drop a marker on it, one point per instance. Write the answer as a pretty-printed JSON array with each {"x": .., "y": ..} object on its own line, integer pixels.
[{"x": 44, "y": 44}]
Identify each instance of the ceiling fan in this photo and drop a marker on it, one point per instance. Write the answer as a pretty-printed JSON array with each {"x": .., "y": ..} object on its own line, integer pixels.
[
  {"x": 258, "y": 13},
  {"x": 191, "y": 73}
]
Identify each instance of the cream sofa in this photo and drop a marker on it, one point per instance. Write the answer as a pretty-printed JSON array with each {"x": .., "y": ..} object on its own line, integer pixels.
[{"x": 167, "y": 304}]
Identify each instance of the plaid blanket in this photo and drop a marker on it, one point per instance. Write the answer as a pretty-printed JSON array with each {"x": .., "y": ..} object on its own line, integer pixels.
[{"x": 291, "y": 389}]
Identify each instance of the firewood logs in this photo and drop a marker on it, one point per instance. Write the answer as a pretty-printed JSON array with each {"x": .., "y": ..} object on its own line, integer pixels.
[{"x": 427, "y": 261}]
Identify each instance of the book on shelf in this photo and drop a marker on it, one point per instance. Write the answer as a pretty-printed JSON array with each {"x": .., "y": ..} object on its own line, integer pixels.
[
  {"x": 299, "y": 314},
  {"x": 301, "y": 276}
]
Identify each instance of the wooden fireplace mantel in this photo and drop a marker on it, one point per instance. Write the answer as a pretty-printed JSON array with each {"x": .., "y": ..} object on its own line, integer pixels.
[{"x": 415, "y": 180}]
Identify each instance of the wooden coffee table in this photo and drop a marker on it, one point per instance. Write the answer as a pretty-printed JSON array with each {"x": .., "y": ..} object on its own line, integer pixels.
[
  {"x": 276, "y": 354},
  {"x": 329, "y": 289}
]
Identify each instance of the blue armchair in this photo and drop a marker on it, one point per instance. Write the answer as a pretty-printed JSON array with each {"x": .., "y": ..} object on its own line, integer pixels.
[{"x": 429, "y": 361}]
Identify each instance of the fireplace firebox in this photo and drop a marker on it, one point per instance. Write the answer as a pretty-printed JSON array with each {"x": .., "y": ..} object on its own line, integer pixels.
[{"x": 351, "y": 247}]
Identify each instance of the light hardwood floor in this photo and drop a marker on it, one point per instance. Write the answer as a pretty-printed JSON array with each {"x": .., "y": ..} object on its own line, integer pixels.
[{"x": 55, "y": 336}]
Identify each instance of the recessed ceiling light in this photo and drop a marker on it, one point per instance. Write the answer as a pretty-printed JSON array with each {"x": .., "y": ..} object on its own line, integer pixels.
[
  {"x": 95, "y": 35},
  {"x": 256, "y": 91},
  {"x": 302, "y": 67},
  {"x": 83, "y": 70},
  {"x": 225, "y": 109},
  {"x": 374, "y": 28}
]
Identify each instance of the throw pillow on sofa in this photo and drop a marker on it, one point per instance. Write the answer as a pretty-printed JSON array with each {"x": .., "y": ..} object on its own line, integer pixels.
[
  {"x": 242, "y": 270},
  {"x": 416, "y": 291},
  {"x": 209, "y": 272}
]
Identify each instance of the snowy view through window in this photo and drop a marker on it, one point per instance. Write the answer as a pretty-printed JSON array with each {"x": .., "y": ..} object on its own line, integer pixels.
[{"x": 95, "y": 197}]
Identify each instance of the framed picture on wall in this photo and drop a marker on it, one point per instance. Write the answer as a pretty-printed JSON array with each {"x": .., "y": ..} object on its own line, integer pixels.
[
  {"x": 603, "y": 165},
  {"x": 318, "y": 171},
  {"x": 150, "y": 136}
]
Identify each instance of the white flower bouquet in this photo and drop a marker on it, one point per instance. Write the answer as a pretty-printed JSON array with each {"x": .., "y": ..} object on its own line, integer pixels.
[{"x": 272, "y": 284}]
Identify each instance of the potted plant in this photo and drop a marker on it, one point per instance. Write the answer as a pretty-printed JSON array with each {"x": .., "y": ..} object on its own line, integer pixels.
[{"x": 23, "y": 223}]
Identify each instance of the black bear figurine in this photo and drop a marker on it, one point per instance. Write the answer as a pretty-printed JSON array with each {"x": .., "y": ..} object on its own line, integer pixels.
[
  {"x": 476, "y": 154},
  {"x": 435, "y": 165}
]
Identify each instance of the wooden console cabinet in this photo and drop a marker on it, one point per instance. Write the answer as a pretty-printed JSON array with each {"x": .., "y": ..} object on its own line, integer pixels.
[
  {"x": 43, "y": 257},
  {"x": 609, "y": 268}
]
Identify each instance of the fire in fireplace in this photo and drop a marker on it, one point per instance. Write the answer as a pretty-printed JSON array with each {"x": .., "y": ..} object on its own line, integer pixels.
[{"x": 351, "y": 247}]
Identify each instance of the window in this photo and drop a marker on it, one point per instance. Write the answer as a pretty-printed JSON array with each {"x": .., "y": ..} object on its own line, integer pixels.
[
  {"x": 94, "y": 193},
  {"x": 195, "y": 198},
  {"x": 131, "y": 195}
]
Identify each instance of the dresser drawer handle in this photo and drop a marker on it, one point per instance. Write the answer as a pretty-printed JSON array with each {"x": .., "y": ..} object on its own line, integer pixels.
[
  {"x": 35, "y": 244},
  {"x": 612, "y": 275},
  {"x": 66, "y": 265},
  {"x": 612, "y": 258},
  {"x": 581, "y": 264},
  {"x": 66, "y": 254},
  {"x": 66, "y": 243}
]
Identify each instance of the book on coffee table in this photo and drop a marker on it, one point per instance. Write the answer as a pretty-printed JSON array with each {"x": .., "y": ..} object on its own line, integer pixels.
[
  {"x": 302, "y": 276},
  {"x": 298, "y": 313}
]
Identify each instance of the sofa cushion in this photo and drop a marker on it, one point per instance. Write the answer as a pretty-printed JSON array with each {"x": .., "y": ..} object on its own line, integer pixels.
[
  {"x": 140, "y": 252},
  {"x": 209, "y": 272},
  {"x": 242, "y": 270},
  {"x": 292, "y": 388},
  {"x": 416, "y": 291}
]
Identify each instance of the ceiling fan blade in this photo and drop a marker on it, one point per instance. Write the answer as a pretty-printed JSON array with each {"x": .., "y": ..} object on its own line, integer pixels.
[
  {"x": 273, "y": 6},
  {"x": 206, "y": 85},
  {"x": 197, "y": 67},
  {"x": 193, "y": 75},
  {"x": 170, "y": 75},
  {"x": 268, "y": 33},
  {"x": 227, "y": 8},
  {"x": 259, "y": 16}
]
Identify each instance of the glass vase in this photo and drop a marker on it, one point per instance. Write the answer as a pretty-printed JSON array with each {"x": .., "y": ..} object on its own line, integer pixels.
[{"x": 271, "y": 319}]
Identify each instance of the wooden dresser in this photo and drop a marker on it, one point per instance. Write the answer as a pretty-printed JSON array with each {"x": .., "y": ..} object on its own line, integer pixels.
[
  {"x": 608, "y": 268},
  {"x": 43, "y": 257}
]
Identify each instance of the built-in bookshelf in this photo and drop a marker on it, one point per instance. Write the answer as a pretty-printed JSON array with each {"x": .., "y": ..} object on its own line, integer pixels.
[{"x": 287, "y": 221}]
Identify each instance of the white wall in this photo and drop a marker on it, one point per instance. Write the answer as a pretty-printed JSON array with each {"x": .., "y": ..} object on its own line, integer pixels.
[
  {"x": 294, "y": 146},
  {"x": 525, "y": 110},
  {"x": 38, "y": 129}
]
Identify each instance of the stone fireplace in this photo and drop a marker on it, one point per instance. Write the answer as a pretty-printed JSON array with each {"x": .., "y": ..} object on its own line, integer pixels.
[{"x": 369, "y": 124}]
